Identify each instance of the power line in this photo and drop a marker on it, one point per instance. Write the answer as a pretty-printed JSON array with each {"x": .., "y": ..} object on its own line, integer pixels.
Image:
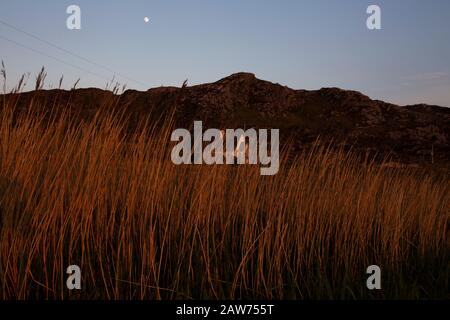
[
  {"x": 52, "y": 57},
  {"x": 72, "y": 54}
]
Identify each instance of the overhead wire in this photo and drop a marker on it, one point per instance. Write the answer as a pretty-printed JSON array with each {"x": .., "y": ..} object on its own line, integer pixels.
[
  {"x": 52, "y": 57},
  {"x": 119, "y": 74}
]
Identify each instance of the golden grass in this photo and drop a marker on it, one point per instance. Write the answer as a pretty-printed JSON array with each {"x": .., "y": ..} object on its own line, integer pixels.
[{"x": 142, "y": 228}]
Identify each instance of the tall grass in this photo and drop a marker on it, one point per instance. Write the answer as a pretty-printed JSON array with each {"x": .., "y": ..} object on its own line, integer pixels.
[{"x": 142, "y": 228}]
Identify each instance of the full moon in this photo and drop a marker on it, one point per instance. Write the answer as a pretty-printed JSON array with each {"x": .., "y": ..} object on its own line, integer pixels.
[{"x": 146, "y": 19}]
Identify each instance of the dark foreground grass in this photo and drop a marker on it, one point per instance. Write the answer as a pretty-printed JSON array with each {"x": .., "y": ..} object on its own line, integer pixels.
[{"x": 142, "y": 228}]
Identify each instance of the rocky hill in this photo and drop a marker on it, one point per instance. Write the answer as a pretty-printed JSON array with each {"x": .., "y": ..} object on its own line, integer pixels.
[{"x": 408, "y": 134}]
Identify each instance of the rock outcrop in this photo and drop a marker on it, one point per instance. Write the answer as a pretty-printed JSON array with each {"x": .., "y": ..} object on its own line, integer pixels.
[{"x": 408, "y": 134}]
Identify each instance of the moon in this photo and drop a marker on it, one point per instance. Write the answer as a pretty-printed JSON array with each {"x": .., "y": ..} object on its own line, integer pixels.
[{"x": 146, "y": 19}]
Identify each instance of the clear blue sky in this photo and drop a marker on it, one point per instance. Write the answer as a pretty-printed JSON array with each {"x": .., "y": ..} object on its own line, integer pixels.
[{"x": 302, "y": 44}]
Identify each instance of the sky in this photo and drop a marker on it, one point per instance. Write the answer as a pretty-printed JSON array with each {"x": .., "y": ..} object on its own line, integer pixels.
[{"x": 304, "y": 44}]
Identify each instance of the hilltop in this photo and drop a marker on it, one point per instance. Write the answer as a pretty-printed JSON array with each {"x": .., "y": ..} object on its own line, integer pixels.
[{"x": 415, "y": 134}]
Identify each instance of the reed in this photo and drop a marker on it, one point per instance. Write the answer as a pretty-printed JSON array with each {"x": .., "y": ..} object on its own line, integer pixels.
[{"x": 142, "y": 228}]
